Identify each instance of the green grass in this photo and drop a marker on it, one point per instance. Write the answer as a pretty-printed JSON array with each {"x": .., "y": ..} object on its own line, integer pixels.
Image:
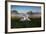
[{"x": 16, "y": 23}]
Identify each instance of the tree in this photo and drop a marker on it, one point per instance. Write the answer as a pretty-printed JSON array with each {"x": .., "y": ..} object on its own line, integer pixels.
[
  {"x": 14, "y": 11},
  {"x": 30, "y": 12}
]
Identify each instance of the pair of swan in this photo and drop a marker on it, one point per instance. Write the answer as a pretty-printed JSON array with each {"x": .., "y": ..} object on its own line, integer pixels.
[{"x": 25, "y": 17}]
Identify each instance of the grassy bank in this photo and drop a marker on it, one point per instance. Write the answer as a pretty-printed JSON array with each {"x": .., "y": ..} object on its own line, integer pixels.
[{"x": 16, "y": 23}]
